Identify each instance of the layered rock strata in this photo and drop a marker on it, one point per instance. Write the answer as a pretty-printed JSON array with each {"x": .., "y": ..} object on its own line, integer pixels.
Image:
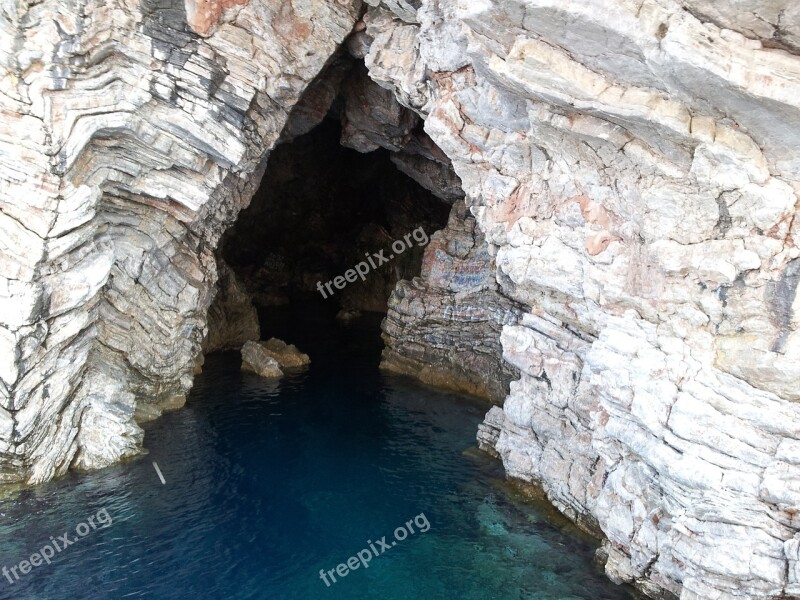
[
  {"x": 632, "y": 165},
  {"x": 232, "y": 317},
  {"x": 132, "y": 134},
  {"x": 634, "y": 168},
  {"x": 444, "y": 326}
]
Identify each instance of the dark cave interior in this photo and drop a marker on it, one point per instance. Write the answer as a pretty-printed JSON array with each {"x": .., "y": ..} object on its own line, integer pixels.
[{"x": 320, "y": 208}]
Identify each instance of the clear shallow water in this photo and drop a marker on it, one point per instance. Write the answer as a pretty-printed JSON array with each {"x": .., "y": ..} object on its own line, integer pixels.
[{"x": 269, "y": 483}]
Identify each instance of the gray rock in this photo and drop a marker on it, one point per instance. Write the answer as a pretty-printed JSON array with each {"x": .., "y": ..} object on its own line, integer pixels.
[
  {"x": 287, "y": 355},
  {"x": 256, "y": 359},
  {"x": 444, "y": 326},
  {"x": 637, "y": 187},
  {"x": 632, "y": 168},
  {"x": 116, "y": 190},
  {"x": 232, "y": 318}
]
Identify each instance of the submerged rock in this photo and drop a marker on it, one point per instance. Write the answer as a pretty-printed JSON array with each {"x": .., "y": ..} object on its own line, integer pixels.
[{"x": 256, "y": 359}]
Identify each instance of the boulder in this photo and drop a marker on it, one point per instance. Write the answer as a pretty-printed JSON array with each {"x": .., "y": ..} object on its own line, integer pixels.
[
  {"x": 256, "y": 359},
  {"x": 287, "y": 355}
]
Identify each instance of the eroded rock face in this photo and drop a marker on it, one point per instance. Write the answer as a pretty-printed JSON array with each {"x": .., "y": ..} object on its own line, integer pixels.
[
  {"x": 287, "y": 355},
  {"x": 132, "y": 134},
  {"x": 634, "y": 168},
  {"x": 444, "y": 326},
  {"x": 232, "y": 317},
  {"x": 258, "y": 359}
]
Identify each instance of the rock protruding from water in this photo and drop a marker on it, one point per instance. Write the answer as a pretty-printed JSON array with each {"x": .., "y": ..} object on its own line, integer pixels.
[
  {"x": 489, "y": 431},
  {"x": 287, "y": 355},
  {"x": 256, "y": 359}
]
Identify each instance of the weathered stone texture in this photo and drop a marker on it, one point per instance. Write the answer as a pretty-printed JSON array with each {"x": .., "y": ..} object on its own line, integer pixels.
[
  {"x": 259, "y": 360},
  {"x": 444, "y": 326},
  {"x": 232, "y": 317},
  {"x": 287, "y": 355},
  {"x": 634, "y": 168},
  {"x": 128, "y": 144}
]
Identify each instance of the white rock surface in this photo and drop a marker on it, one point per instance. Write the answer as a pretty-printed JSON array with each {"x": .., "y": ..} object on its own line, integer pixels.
[
  {"x": 634, "y": 168},
  {"x": 131, "y": 135}
]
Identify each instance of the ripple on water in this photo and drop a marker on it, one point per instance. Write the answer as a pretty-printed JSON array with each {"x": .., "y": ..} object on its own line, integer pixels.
[{"x": 269, "y": 482}]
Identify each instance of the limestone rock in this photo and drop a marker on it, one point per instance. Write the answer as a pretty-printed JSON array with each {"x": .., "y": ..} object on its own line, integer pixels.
[
  {"x": 232, "y": 318},
  {"x": 632, "y": 169},
  {"x": 257, "y": 359},
  {"x": 489, "y": 431},
  {"x": 405, "y": 9},
  {"x": 371, "y": 118},
  {"x": 444, "y": 326},
  {"x": 287, "y": 355},
  {"x": 108, "y": 431},
  {"x": 131, "y": 135},
  {"x": 605, "y": 149}
]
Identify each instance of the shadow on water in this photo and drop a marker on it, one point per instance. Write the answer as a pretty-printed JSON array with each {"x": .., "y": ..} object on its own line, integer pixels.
[{"x": 269, "y": 482}]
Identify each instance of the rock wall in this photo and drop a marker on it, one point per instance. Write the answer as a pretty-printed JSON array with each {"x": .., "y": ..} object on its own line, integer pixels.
[
  {"x": 444, "y": 326},
  {"x": 232, "y": 316},
  {"x": 344, "y": 203},
  {"x": 131, "y": 134},
  {"x": 634, "y": 168},
  {"x": 632, "y": 164}
]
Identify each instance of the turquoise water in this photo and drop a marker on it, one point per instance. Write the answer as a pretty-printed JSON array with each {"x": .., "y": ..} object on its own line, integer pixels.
[{"x": 268, "y": 483}]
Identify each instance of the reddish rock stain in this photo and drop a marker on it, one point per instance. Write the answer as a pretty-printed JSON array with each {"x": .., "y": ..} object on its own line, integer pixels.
[
  {"x": 201, "y": 15},
  {"x": 291, "y": 27}
]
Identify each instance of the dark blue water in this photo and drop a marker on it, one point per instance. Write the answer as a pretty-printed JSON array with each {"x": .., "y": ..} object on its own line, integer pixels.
[{"x": 268, "y": 483}]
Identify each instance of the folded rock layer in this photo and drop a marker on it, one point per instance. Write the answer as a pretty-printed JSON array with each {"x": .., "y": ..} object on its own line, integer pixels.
[
  {"x": 131, "y": 135},
  {"x": 632, "y": 169}
]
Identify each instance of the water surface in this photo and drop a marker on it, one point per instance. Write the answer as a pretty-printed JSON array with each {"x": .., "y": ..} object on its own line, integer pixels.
[{"x": 268, "y": 483}]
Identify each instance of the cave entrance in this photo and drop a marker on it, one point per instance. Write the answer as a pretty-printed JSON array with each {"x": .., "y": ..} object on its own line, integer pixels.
[
  {"x": 340, "y": 225},
  {"x": 347, "y": 204},
  {"x": 322, "y": 211}
]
